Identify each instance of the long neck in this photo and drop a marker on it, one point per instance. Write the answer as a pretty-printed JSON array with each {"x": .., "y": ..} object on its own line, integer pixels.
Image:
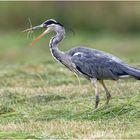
[{"x": 54, "y": 44}]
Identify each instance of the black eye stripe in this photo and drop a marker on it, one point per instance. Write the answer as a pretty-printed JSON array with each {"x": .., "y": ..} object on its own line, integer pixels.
[{"x": 49, "y": 22}]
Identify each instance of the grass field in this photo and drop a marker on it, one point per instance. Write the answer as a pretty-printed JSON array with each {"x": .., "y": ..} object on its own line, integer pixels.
[{"x": 40, "y": 98}]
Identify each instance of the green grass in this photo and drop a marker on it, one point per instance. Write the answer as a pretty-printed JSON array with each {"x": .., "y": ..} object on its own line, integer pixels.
[{"x": 40, "y": 98}]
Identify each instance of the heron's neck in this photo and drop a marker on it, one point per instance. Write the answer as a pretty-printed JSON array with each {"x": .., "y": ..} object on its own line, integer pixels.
[{"x": 54, "y": 44}]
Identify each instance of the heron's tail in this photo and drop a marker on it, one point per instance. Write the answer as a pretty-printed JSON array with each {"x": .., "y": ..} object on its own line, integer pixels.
[{"x": 134, "y": 72}]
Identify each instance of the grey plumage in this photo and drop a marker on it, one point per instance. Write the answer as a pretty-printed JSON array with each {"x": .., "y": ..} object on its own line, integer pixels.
[
  {"x": 90, "y": 63},
  {"x": 100, "y": 65}
]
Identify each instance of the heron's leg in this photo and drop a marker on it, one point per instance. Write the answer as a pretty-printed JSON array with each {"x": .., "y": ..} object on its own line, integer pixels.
[
  {"x": 108, "y": 95},
  {"x": 94, "y": 82}
]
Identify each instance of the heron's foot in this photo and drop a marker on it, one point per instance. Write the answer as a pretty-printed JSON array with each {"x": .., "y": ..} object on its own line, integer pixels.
[
  {"x": 97, "y": 101},
  {"x": 108, "y": 96}
]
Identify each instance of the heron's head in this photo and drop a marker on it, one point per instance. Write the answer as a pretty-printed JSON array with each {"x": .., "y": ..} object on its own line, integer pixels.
[{"x": 49, "y": 26}]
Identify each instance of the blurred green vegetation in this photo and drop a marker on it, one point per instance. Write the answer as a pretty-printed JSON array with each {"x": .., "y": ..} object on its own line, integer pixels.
[{"x": 91, "y": 16}]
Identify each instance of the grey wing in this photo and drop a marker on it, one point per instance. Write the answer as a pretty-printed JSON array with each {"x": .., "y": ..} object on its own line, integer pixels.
[{"x": 97, "y": 66}]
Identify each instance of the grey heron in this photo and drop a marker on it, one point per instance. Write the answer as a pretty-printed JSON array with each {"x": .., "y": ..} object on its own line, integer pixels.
[{"x": 92, "y": 64}]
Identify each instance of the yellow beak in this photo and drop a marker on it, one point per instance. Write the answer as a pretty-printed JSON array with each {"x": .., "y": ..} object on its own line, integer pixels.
[
  {"x": 37, "y": 38},
  {"x": 41, "y": 35}
]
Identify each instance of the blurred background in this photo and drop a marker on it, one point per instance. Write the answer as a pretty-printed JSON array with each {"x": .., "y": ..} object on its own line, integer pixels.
[
  {"x": 88, "y": 16},
  {"x": 110, "y": 26}
]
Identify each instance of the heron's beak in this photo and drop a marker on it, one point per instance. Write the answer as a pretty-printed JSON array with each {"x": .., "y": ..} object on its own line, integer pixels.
[
  {"x": 38, "y": 27},
  {"x": 34, "y": 28},
  {"x": 41, "y": 35}
]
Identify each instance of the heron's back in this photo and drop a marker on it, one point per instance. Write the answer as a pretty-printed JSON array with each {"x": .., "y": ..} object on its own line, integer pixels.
[{"x": 97, "y": 64}]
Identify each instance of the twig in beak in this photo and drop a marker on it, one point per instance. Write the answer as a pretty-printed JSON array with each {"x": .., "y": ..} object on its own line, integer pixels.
[{"x": 29, "y": 30}]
